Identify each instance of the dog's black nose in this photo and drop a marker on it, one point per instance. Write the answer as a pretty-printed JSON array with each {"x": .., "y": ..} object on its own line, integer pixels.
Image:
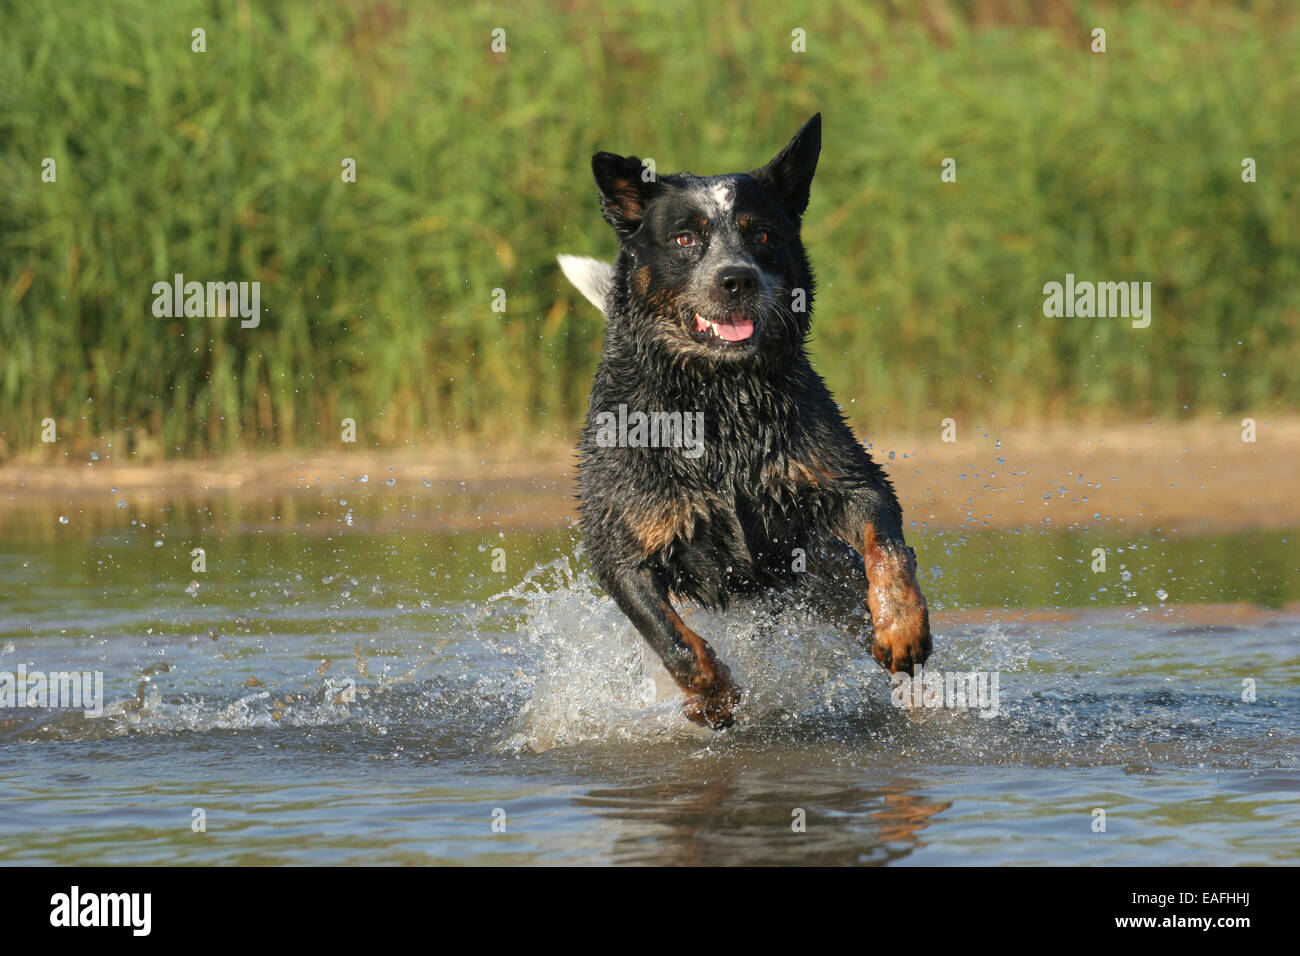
[{"x": 737, "y": 279}]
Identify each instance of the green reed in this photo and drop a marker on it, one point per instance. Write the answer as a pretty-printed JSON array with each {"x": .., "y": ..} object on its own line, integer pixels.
[{"x": 473, "y": 172}]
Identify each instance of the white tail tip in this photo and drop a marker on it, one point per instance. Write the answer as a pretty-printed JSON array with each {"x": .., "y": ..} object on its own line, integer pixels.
[{"x": 591, "y": 277}]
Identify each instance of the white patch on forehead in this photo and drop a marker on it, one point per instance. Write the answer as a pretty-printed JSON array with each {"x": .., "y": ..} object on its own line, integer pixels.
[
  {"x": 721, "y": 195},
  {"x": 716, "y": 199}
]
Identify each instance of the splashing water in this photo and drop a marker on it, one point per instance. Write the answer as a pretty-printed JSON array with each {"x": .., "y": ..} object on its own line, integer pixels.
[
  {"x": 389, "y": 694},
  {"x": 595, "y": 679}
]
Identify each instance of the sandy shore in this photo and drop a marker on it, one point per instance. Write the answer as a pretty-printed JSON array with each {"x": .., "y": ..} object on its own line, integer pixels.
[{"x": 1187, "y": 475}]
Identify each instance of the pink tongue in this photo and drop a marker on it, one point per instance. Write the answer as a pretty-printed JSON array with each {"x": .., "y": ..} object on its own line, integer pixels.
[{"x": 736, "y": 331}]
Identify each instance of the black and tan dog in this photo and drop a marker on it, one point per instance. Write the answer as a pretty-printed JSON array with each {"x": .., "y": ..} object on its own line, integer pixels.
[{"x": 708, "y": 309}]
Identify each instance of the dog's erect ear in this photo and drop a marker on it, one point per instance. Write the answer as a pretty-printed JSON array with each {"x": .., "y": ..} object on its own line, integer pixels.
[
  {"x": 624, "y": 190},
  {"x": 791, "y": 171}
]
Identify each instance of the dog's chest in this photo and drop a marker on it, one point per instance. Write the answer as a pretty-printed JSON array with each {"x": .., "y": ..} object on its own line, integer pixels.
[{"x": 757, "y": 516}]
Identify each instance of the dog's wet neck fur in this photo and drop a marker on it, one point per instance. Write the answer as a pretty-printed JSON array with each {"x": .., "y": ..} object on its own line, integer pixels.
[{"x": 751, "y": 409}]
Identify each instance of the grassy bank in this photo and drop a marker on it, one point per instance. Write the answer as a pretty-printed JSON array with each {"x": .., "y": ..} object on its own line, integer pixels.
[{"x": 472, "y": 172}]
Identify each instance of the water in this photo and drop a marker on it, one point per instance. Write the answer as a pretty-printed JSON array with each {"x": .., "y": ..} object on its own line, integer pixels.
[{"x": 349, "y": 682}]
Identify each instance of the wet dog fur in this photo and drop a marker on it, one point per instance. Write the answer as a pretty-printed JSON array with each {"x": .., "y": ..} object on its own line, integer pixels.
[{"x": 708, "y": 310}]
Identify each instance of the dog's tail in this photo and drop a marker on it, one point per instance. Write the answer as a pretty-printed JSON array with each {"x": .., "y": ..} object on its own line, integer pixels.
[{"x": 591, "y": 277}]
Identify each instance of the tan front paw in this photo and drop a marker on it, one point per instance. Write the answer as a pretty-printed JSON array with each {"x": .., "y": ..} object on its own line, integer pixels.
[
  {"x": 714, "y": 705},
  {"x": 905, "y": 642},
  {"x": 899, "y": 617}
]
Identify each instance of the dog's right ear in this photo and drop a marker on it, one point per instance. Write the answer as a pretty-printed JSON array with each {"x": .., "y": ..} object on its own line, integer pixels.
[
  {"x": 791, "y": 171},
  {"x": 625, "y": 190}
]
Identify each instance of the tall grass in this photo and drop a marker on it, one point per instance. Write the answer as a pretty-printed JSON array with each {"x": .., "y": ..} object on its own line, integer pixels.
[{"x": 473, "y": 171}]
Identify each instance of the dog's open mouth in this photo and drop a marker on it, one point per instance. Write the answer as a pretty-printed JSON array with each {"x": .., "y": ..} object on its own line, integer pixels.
[{"x": 731, "y": 328}]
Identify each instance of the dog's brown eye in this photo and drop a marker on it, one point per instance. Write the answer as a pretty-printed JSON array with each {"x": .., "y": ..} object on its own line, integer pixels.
[
  {"x": 760, "y": 236},
  {"x": 685, "y": 239}
]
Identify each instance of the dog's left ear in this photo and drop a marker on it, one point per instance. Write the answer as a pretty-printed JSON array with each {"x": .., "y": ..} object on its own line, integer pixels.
[
  {"x": 625, "y": 190},
  {"x": 791, "y": 171}
]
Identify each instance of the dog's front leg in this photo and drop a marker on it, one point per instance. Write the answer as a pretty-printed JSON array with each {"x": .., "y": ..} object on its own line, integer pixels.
[
  {"x": 710, "y": 694},
  {"x": 899, "y": 617}
]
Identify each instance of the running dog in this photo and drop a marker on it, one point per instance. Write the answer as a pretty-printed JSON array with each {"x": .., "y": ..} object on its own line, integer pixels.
[{"x": 708, "y": 311}]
